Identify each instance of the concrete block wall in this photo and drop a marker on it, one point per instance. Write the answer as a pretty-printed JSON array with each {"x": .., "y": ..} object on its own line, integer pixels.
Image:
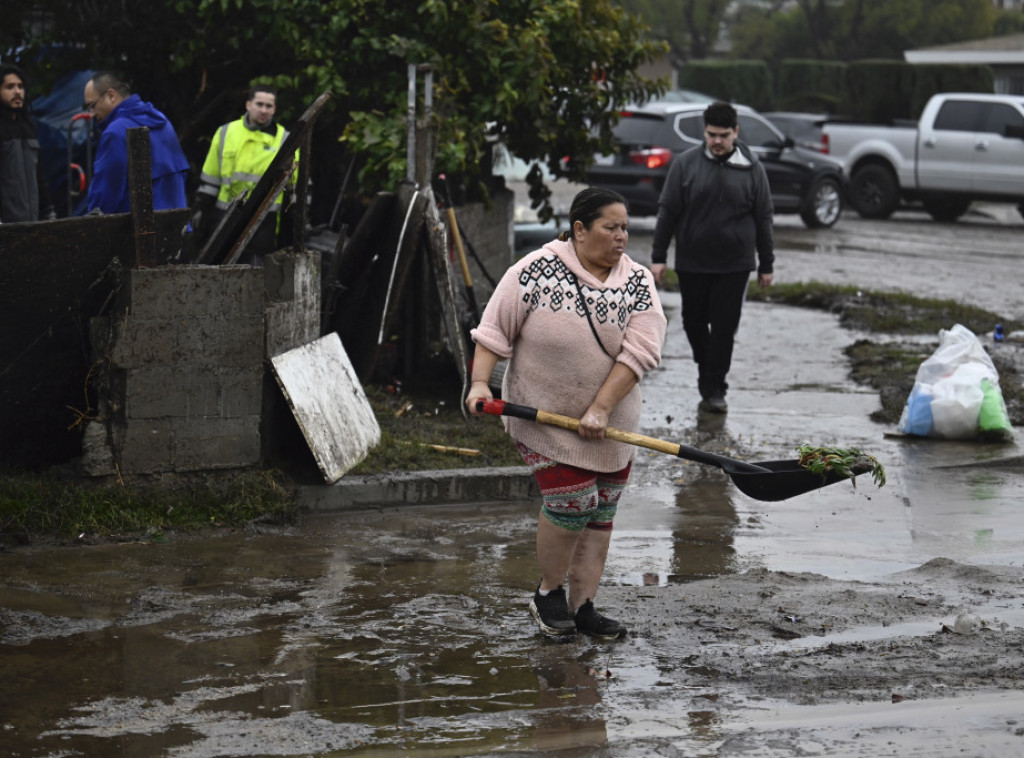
[
  {"x": 185, "y": 357},
  {"x": 292, "y": 286}
]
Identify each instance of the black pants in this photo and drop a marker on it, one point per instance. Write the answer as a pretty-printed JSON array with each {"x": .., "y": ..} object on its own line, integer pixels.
[{"x": 712, "y": 304}]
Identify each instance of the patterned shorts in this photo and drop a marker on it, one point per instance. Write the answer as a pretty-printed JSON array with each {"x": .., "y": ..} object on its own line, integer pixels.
[{"x": 575, "y": 498}]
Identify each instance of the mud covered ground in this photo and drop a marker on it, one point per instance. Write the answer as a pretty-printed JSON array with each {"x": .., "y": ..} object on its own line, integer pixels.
[
  {"x": 370, "y": 633},
  {"x": 896, "y": 628}
]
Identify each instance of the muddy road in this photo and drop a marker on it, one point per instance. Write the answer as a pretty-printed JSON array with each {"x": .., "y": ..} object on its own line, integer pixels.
[{"x": 853, "y": 621}]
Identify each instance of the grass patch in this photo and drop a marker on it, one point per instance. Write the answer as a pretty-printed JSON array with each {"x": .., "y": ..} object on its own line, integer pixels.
[
  {"x": 34, "y": 504},
  {"x": 882, "y": 312},
  {"x": 889, "y": 368},
  {"x": 411, "y": 423}
]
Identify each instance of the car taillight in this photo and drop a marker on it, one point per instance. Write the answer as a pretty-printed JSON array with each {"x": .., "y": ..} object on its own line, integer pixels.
[
  {"x": 655, "y": 157},
  {"x": 825, "y": 145}
]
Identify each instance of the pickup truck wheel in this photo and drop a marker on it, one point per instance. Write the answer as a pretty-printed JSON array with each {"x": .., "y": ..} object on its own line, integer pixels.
[
  {"x": 946, "y": 208},
  {"x": 823, "y": 204},
  {"x": 874, "y": 192}
]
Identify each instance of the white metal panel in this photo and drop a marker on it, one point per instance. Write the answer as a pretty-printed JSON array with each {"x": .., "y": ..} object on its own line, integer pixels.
[{"x": 329, "y": 404}]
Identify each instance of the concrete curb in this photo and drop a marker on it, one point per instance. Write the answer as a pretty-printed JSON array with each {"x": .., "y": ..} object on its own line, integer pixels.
[{"x": 445, "y": 486}]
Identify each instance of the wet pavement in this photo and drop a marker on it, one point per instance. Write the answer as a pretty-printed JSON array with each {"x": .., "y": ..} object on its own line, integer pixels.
[{"x": 377, "y": 630}]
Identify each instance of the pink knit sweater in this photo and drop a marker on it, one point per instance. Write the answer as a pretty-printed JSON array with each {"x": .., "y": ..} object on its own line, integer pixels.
[{"x": 535, "y": 319}]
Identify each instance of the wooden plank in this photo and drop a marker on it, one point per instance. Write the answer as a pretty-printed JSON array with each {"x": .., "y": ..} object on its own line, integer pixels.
[
  {"x": 324, "y": 393},
  {"x": 140, "y": 188},
  {"x": 361, "y": 309},
  {"x": 284, "y": 174},
  {"x": 357, "y": 255},
  {"x": 205, "y": 255},
  {"x": 402, "y": 263},
  {"x": 438, "y": 244}
]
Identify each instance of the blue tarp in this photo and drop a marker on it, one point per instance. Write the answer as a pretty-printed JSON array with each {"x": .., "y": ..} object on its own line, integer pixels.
[{"x": 52, "y": 114}]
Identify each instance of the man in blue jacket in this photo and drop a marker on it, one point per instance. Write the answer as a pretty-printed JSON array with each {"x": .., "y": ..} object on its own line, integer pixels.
[
  {"x": 111, "y": 102},
  {"x": 717, "y": 203}
]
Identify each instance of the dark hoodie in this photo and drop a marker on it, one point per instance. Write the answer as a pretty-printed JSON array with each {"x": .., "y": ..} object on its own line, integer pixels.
[
  {"x": 109, "y": 188},
  {"x": 720, "y": 212},
  {"x": 23, "y": 194}
]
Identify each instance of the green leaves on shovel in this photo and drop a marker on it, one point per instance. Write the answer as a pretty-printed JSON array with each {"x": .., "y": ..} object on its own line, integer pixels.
[{"x": 848, "y": 462}]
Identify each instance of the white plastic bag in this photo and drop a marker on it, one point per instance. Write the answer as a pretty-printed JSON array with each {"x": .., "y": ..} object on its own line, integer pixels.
[
  {"x": 950, "y": 388},
  {"x": 956, "y": 402}
]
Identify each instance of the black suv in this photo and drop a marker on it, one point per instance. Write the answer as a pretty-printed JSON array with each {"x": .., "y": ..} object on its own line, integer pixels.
[{"x": 801, "y": 180}]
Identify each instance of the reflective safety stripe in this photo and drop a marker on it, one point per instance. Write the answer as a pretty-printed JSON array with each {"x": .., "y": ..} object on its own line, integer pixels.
[
  {"x": 241, "y": 176},
  {"x": 222, "y": 205}
]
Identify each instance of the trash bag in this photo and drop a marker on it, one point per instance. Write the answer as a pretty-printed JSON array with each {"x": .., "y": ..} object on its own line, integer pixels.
[{"x": 956, "y": 393}]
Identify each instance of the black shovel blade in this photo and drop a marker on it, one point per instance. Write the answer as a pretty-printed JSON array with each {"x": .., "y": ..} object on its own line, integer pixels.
[{"x": 783, "y": 480}]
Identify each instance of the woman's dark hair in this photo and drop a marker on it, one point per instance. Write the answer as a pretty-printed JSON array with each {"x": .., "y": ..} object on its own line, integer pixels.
[{"x": 587, "y": 206}]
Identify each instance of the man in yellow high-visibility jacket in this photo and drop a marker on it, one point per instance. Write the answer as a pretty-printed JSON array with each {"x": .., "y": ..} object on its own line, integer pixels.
[{"x": 240, "y": 153}]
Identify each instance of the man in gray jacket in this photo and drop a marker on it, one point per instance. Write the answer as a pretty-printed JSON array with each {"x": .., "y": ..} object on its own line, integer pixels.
[
  {"x": 717, "y": 204},
  {"x": 23, "y": 192}
]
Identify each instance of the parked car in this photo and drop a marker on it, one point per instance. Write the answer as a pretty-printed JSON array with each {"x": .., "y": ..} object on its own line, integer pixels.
[
  {"x": 684, "y": 96},
  {"x": 967, "y": 146},
  {"x": 648, "y": 136},
  {"x": 806, "y": 129}
]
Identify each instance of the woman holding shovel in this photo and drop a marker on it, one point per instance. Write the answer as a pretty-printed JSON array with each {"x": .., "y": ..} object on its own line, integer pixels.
[{"x": 580, "y": 323}]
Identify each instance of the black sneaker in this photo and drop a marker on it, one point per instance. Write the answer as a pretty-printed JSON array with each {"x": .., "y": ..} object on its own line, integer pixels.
[
  {"x": 589, "y": 621},
  {"x": 713, "y": 404},
  {"x": 552, "y": 612}
]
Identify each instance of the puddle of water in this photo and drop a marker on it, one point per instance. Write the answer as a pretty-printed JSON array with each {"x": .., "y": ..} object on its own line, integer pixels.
[
  {"x": 361, "y": 635},
  {"x": 365, "y": 634},
  {"x": 667, "y": 535}
]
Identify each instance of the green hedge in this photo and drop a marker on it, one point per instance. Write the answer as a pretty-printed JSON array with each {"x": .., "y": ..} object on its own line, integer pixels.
[
  {"x": 747, "y": 82},
  {"x": 878, "y": 90},
  {"x": 931, "y": 78},
  {"x": 810, "y": 85}
]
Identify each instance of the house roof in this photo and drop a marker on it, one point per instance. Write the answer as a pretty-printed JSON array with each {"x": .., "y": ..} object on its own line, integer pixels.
[{"x": 1008, "y": 49}]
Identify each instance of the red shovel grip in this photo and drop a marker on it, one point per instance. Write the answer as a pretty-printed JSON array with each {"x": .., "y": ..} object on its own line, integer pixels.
[
  {"x": 494, "y": 407},
  {"x": 503, "y": 408}
]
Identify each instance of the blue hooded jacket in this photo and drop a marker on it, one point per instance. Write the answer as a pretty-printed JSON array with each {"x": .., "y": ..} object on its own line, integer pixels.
[{"x": 109, "y": 188}]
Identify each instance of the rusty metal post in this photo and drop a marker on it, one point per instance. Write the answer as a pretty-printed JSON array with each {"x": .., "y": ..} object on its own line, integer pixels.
[
  {"x": 410, "y": 127},
  {"x": 425, "y": 130},
  {"x": 140, "y": 188}
]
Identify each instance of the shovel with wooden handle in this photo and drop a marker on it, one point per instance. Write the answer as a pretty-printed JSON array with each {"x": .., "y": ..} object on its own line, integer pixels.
[{"x": 770, "y": 480}]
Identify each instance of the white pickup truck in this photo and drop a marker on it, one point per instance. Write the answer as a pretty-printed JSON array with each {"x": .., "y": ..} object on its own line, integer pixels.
[{"x": 966, "y": 146}]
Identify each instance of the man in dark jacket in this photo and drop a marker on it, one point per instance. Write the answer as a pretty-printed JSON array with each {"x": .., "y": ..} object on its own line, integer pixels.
[
  {"x": 23, "y": 192},
  {"x": 110, "y": 100},
  {"x": 717, "y": 203}
]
